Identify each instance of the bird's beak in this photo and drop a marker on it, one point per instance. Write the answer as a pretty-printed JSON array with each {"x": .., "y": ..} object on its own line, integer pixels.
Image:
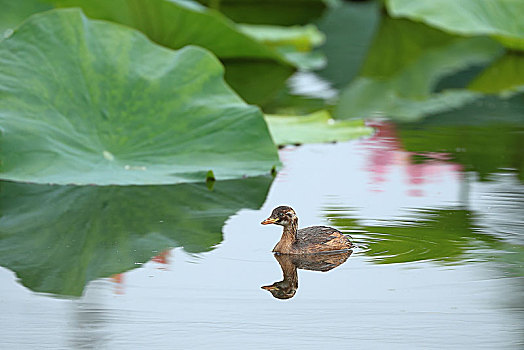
[
  {"x": 269, "y": 221},
  {"x": 269, "y": 287}
]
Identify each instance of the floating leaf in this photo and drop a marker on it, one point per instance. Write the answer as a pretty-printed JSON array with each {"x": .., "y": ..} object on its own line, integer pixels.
[
  {"x": 302, "y": 38},
  {"x": 294, "y": 43},
  {"x": 500, "y": 18},
  {"x": 405, "y": 64},
  {"x": 91, "y": 102},
  {"x": 314, "y": 128},
  {"x": 58, "y": 238}
]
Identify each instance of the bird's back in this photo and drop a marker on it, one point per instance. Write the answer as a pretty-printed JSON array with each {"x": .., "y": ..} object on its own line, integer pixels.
[{"x": 316, "y": 239}]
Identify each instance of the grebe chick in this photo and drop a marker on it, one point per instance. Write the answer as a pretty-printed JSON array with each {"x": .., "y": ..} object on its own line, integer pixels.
[{"x": 309, "y": 240}]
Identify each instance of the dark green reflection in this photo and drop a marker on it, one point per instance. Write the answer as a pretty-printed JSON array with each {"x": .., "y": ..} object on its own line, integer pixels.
[
  {"x": 58, "y": 238},
  {"x": 443, "y": 235},
  {"x": 485, "y": 136}
]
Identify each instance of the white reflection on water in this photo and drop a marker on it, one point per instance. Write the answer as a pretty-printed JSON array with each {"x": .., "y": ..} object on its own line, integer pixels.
[{"x": 214, "y": 300}]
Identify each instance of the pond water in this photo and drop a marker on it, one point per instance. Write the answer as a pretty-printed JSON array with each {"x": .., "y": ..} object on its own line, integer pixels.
[{"x": 438, "y": 263}]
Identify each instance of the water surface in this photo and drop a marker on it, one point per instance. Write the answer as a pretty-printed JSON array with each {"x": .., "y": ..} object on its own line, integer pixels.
[{"x": 438, "y": 263}]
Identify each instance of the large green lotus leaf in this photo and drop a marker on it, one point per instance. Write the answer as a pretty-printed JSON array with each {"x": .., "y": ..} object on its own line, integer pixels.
[
  {"x": 14, "y": 12},
  {"x": 91, "y": 102},
  {"x": 505, "y": 76},
  {"x": 278, "y": 12},
  {"x": 403, "y": 68},
  {"x": 349, "y": 29},
  {"x": 500, "y": 18},
  {"x": 177, "y": 23},
  {"x": 58, "y": 238},
  {"x": 314, "y": 128},
  {"x": 440, "y": 235}
]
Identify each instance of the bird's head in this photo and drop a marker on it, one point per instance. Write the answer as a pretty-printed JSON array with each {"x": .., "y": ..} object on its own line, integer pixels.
[{"x": 282, "y": 216}]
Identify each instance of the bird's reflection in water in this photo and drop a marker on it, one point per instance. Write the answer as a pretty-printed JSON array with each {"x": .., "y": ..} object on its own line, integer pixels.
[{"x": 289, "y": 264}]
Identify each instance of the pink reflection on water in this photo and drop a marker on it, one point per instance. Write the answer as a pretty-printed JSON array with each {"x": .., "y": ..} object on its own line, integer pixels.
[
  {"x": 118, "y": 279},
  {"x": 384, "y": 153}
]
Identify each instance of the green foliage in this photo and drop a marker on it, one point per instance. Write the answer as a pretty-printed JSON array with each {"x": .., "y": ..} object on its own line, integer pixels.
[
  {"x": 499, "y": 18},
  {"x": 280, "y": 12},
  {"x": 58, "y": 238},
  {"x": 441, "y": 235},
  {"x": 256, "y": 81},
  {"x": 14, "y": 12},
  {"x": 177, "y": 23},
  {"x": 349, "y": 28},
  {"x": 504, "y": 76},
  {"x": 294, "y": 43},
  {"x": 317, "y": 127},
  {"x": 101, "y": 104},
  {"x": 484, "y": 136},
  {"x": 403, "y": 67}
]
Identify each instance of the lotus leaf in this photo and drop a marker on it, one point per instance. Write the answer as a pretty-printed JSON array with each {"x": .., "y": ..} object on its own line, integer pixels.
[
  {"x": 505, "y": 76},
  {"x": 58, "y": 238},
  {"x": 403, "y": 68},
  {"x": 281, "y": 12},
  {"x": 14, "y": 12},
  {"x": 92, "y": 102},
  {"x": 314, "y": 128},
  {"x": 349, "y": 29},
  {"x": 177, "y": 23},
  {"x": 294, "y": 43},
  {"x": 500, "y": 18}
]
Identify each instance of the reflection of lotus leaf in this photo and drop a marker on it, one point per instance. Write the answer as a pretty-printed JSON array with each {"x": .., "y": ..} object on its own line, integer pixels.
[
  {"x": 102, "y": 104},
  {"x": 463, "y": 138},
  {"x": 441, "y": 235},
  {"x": 58, "y": 238}
]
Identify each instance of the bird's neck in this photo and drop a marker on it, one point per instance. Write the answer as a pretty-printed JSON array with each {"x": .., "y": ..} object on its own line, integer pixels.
[
  {"x": 289, "y": 236},
  {"x": 289, "y": 269},
  {"x": 289, "y": 272}
]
